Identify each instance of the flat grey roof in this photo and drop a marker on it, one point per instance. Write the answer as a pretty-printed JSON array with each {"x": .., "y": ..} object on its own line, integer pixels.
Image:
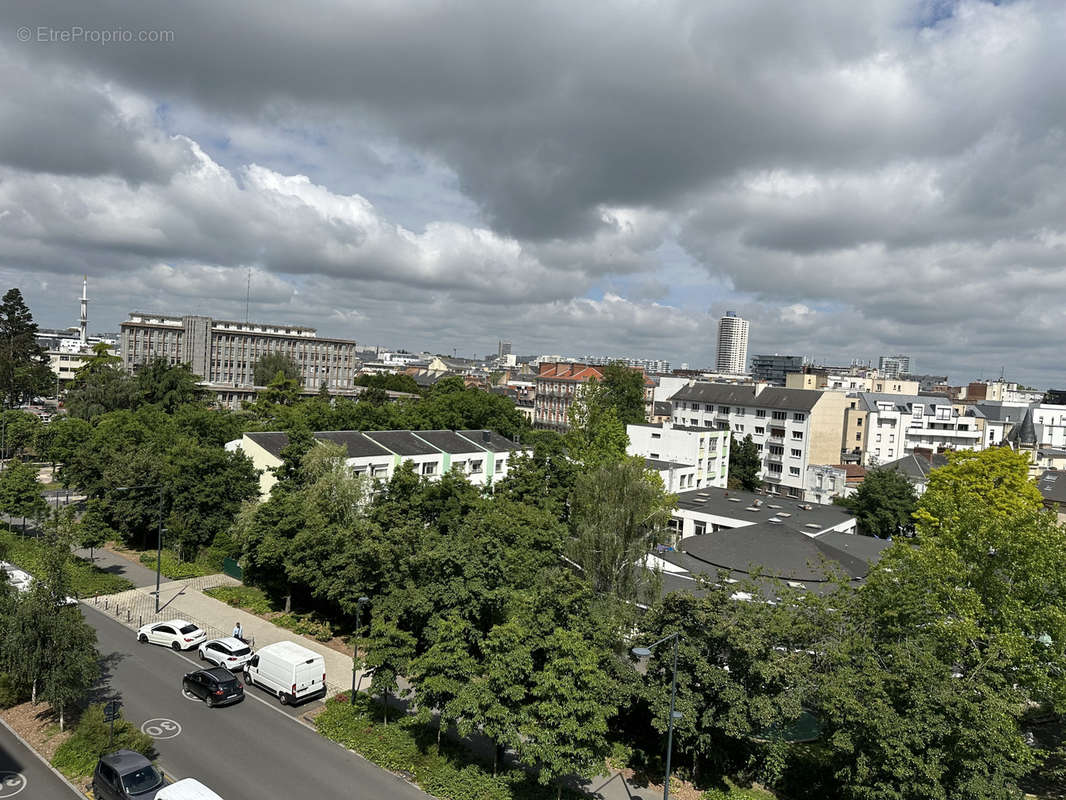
[
  {"x": 1052, "y": 485},
  {"x": 271, "y": 441},
  {"x": 656, "y": 464},
  {"x": 449, "y": 441},
  {"x": 735, "y": 504},
  {"x": 490, "y": 440}
]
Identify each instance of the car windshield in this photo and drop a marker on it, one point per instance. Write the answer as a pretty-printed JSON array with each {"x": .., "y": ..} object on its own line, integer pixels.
[
  {"x": 143, "y": 780},
  {"x": 189, "y": 628},
  {"x": 241, "y": 651}
]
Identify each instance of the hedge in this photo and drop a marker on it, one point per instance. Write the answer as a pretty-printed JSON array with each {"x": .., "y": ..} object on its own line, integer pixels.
[
  {"x": 174, "y": 568},
  {"x": 77, "y": 756}
]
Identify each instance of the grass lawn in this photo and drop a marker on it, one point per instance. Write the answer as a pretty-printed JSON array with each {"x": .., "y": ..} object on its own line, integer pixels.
[{"x": 86, "y": 579}]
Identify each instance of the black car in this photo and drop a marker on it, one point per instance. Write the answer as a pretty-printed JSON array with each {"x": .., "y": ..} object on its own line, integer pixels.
[
  {"x": 216, "y": 686},
  {"x": 126, "y": 775}
]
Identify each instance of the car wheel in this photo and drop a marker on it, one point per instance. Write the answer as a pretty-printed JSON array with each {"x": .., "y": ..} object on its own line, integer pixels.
[
  {"x": 284, "y": 698},
  {"x": 202, "y": 656},
  {"x": 143, "y": 638},
  {"x": 176, "y": 646},
  {"x": 209, "y": 702}
]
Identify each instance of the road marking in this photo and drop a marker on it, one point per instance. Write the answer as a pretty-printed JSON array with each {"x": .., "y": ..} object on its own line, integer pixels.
[
  {"x": 11, "y": 783},
  {"x": 188, "y": 696},
  {"x": 161, "y": 728}
]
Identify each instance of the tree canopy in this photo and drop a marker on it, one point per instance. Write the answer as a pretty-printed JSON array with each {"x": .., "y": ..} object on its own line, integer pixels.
[
  {"x": 745, "y": 464},
  {"x": 24, "y": 369},
  {"x": 270, "y": 364},
  {"x": 884, "y": 503}
]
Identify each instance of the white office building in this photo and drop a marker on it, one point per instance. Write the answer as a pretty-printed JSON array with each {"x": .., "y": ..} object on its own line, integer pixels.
[
  {"x": 686, "y": 457},
  {"x": 732, "y": 344}
]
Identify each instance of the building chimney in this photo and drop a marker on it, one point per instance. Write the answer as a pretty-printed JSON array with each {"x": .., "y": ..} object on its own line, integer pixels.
[{"x": 486, "y": 437}]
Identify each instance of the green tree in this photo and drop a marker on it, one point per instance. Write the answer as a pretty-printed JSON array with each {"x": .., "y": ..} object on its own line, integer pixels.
[
  {"x": 60, "y": 439},
  {"x": 571, "y": 701},
  {"x": 99, "y": 391},
  {"x": 745, "y": 464},
  {"x": 167, "y": 385},
  {"x": 544, "y": 478},
  {"x": 280, "y": 390},
  {"x": 623, "y": 389},
  {"x": 20, "y": 430},
  {"x": 439, "y": 674},
  {"x": 102, "y": 360},
  {"x": 620, "y": 512},
  {"x": 73, "y": 664},
  {"x": 20, "y": 493},
  {"x": 996, "y": 480},
  {"x": 389, "y": 381},
  {"x": 93, "y": 530},
  {"x": 270, "y": 364},
  {"x": 884, "y": 504},
  {"x": 389, "y": 653},
  {"x": 596, "y": 435},
  {"x": 24, "y": 369}
]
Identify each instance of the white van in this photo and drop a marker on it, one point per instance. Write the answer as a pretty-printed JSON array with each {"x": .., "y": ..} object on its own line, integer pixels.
[
  {"x": 187, "y": 789},
  {"x": 290, "y": 671}
]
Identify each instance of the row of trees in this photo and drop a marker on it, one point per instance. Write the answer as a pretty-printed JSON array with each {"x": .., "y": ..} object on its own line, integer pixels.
[{"x": 48, "y": 650}]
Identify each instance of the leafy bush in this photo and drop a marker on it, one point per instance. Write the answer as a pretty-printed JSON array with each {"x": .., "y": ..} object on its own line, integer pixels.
[
  {"x": 450, "y": 773},
  {"x": 86, "y": 579},
  {"x": 174, "y": 568},
  {"x": 305, "y": 625},
  {"x": 11, "y": 694},
  {"x": 249, "y": 598},
  {"x": 77, "y": 756}
]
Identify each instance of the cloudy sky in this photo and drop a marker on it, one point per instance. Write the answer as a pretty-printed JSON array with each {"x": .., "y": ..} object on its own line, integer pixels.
[{"x": 856, "y": 178}]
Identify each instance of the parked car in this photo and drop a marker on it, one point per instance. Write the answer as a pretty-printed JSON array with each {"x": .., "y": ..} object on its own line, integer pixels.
[
  {"x": 179, "y": 634},
  {"x": 228, "y": 652},
  {"x": 126, "y": 775},
  {"x": 216, "y": 686},
  {"x": 288, "y": 670},
  {"x": 187, "y": 789}
]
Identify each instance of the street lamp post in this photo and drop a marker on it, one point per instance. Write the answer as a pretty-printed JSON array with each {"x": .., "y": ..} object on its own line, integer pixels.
[
  {"x": 645, "y": 652},
  {"x": 159, "y": 536},
  {"x": 355, "y": 650}
]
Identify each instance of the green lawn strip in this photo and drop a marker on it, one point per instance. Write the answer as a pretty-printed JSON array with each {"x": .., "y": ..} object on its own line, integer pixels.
[
  {"x": 451, "y": 772},
  {"x": 246, "y": 598},
  {"x": 77, "y": 756},
  {"x": 176, "y": 569},
  {"x": 86, "y": 579}
]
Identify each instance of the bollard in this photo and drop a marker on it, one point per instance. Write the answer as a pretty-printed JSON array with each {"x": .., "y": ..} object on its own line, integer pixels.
[
  {"x": 140, "y": 621},
  {"x": 105, "y": 604},
  {"x": 129, "y": 614}
]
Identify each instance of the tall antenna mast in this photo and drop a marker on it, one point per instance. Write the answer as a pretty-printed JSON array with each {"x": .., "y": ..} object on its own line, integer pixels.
[{"x": 248, "y": 294}]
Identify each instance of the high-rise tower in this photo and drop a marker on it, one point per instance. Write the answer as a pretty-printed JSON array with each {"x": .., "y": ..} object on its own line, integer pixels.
[
  {"x": 84, "y": 309},
  {"x": 732, "y": 344}
]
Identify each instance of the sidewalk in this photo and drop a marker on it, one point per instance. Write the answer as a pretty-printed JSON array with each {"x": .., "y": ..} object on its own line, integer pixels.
[{"x": 185, "y": 599}]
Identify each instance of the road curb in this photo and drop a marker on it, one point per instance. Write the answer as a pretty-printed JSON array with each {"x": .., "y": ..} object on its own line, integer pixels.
[{"x": 43, "y": 760}]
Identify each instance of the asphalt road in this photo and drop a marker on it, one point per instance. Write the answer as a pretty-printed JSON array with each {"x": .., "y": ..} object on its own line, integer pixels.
[
  {"x": 22, "y": 774},
  {"x": 251, "y": 749}
]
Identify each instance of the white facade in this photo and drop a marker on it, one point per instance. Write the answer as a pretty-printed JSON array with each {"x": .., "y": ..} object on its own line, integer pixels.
[
  {"x": 1050, "y": 424},
  {"x": 705, "y": 450},
  {"x": 897, "y": 425},
  {"x": 824, "y": 482},
  {"x": 732, "y": 344}
]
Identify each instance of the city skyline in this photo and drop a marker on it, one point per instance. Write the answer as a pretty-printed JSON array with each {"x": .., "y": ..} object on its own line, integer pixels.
[{"x": 852, "y": 180}]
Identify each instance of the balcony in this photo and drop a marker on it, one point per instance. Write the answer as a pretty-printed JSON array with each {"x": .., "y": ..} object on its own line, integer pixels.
[
  {"x": 776, "y": 435},
  {"x": 776, "y": 458}
]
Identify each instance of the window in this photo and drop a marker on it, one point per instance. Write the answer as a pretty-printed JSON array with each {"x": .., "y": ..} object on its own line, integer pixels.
[
  {"x": 653, "y": 455},
  {"x": 858, "y": 437},
  {"x": 760, "y": 412},
  {"x": 774, "y": 468},
  {"x": 429, "y": 468},
  {"x": 740, "y": 412},
  {"x": 656, "y": 436},
  {"x": 878, "y": 439},
  {"x": 723, "y": 409},
  {"x": 740, "y": 428},
  {"x": 797, "y": 435},
  {"x": 780, "y": 415},
  {"x": 796, "y": 453},
  {"x": 675, "y": 524},
  {"x": 760, "y": 430},
  {"x": 475, "y": 467},
  {"x": 858, "y": 422},
  {"x": 799, "y": 417},
  {"x": 793, "y": 470},
  {"x": 700, "y": 527}
]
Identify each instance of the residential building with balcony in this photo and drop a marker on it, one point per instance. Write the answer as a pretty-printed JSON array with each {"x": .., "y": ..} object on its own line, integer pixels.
[
  {"x": 792, "y": 428},
  {"x": 559, "y": 383},
  {"x": 704, "y": 449},
  {"x": 894, "y": 426}
]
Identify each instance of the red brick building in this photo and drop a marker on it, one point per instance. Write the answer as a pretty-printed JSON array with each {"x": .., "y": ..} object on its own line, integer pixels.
[{"x": 557, "y": 384}]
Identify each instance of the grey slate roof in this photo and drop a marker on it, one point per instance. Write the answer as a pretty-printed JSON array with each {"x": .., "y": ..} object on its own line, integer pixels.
[
  {"x": 449, "y": 441},
  {"x": 354, "y": 441},
  {"x": 490, "y": 440},
  {"x": 1052, "y": 486},
  {"x": 730, "y": 395},
  {"x": 778, "y": 550},
  {"x": 735, "y": 504},
  {"x": 998, "y": 413},
  {"x": 662, "y": 408},
  {"x": 403, "y": 443},
  {"x": 659, "y": 465},
  {"x": 271, "y": 441},
  {"x": 915, "y": 467},
  {"x": 1024, "y": 435}
]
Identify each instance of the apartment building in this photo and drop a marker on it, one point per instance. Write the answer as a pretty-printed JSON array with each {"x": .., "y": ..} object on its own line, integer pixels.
[
  {"x": 732, "y": 344},
  {"x": 559, "y": 383},
  {"x": 697, "y": 456},
  {"x": 851, "y": 381},
  {"x": 482, "y": 456},
  {"x": 792, "y": 428},
  {"x": 224, "y": 353},
  {"x": 773, "y": 369},
  {"x": 886, "y": 427}
]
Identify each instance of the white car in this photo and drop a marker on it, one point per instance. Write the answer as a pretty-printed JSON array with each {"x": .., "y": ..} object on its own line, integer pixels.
[
  {"x": 228, "y": 652},
  {"x": 23, "y": 581},
  {"x": 179, "y": 634}
]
